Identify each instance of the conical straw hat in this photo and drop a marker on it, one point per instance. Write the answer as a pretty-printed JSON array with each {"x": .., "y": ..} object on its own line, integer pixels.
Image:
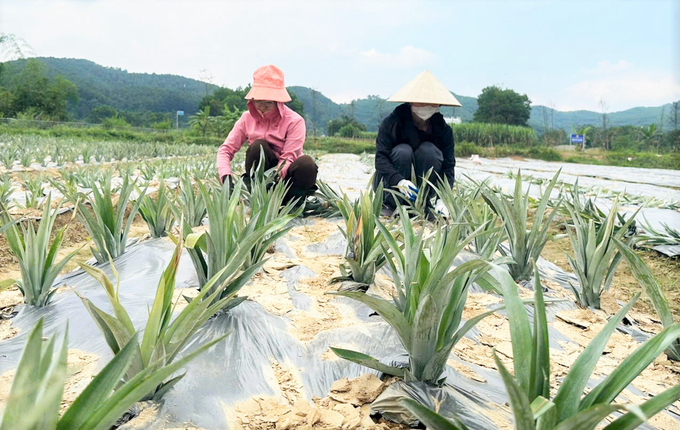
[{"x": 425, "y": 88}]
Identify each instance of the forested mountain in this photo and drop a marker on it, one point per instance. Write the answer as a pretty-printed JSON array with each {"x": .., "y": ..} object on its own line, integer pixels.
[
  {"x": 123, "y": 91},
  {"x": 638, "y": 116}
]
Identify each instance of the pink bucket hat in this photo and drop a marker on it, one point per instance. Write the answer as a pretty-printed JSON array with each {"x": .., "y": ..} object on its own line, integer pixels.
[{"x": 268, "y": 85}]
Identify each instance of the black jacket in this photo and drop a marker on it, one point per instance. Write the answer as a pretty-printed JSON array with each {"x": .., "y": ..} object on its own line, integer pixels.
[{"x": 399, "y": 128}]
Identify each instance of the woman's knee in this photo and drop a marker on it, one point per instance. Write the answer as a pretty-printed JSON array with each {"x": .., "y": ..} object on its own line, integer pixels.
[
  {"x": 303, "y": 172},
  {"x": 428, "y": 148},
  {"x": 257, "y": 146},
  {"x": 429, "y": 154},
  {"x": 306, "y": 165},
  {"x": 402, "y": 153}
]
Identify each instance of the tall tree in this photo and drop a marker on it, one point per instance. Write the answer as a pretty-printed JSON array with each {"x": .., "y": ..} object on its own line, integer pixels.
[
  {"x": 32, "y": 89},
  {"x": 201, "y": 121},
  {"x": 674, "y": 117},
  {"x": 505, "y": 106},
  {"x": 650, "y": 136},
  {"x": 350, "y": 124},
  {"x": 13, "y": 47}
]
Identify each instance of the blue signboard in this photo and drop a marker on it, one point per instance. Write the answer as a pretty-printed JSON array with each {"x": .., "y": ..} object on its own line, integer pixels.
[
  {"x": 180, "y": 112},
  {"x": 576, "y": 138}
]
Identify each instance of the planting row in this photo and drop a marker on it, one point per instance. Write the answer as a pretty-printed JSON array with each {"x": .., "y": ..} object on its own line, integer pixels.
[{"x": 17, "y": 152}]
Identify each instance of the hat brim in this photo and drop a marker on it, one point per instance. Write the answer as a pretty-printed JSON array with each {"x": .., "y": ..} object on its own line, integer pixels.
[
  {"x": 273, "y": 94},
  {"x": 425, "y": 88},
  {"x": 426, "y": 100}
]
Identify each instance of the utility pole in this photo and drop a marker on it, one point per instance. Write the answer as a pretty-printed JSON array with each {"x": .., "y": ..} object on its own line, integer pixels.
[
  {"x": 605, "y": 120},
  {"x": 314, "y": 119}
]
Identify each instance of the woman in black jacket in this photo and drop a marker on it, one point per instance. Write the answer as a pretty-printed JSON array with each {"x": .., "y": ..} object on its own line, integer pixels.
[{"x": 415, "y": 137}]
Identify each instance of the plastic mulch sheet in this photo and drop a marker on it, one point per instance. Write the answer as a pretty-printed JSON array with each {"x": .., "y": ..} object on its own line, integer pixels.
[{"x": 241, "y": 366}]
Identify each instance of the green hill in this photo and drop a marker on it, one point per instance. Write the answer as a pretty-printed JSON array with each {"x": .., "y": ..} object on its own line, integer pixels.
[
  {"x": 125, "y": 91},
  {"x": 637, "y": 116}
]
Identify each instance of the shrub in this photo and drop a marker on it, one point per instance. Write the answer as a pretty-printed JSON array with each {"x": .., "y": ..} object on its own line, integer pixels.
[{"x": 466, "y": 149}]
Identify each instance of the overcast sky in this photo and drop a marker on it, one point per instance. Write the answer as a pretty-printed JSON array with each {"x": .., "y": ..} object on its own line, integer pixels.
[{"x": 570, "y": 54}]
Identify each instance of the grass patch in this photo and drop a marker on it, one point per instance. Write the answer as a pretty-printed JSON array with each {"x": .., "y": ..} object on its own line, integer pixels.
[
  {"x": 340, "y": 145},
  {"x": 101, "y": 133}
]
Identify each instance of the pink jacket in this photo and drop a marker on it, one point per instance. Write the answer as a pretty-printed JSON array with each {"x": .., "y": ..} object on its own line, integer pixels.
[{"x": 282, "y": 127}]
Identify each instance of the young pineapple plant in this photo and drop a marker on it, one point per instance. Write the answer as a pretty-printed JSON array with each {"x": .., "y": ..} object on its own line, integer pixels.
[
  {"x": 466, "y": 207},
  {"x": 524, "y": 245},
  {"x": 268, "y": 203},
  {"x": 595, "y": 254},
  {"x": 664, "y": 236},
  {"x": 37, "y": 389},
  {"x": 324, "y": 203},
  {"x": 33, "y": 191},
  {"x": 37, "y": 255},
  {"x": 229, "y": 232},
  {"x": 431, "y": 419},
  {"x": 646, "y": 280},
  {"x": 492, "y": 234},
  {"x": 5, "y": 188},
  {"x": 26, "y": 157},
  {"x": 365, "y": 253},
  {"x": 419, "y": 204},
  {"x": 576, "y": 201},
  {"x": 158, "y": 213},
  {"x": 189, "y": 204},
  {"x": 427, "y": 310},
  {"x": 7, "y": 157},
  {"x": 164, "y": 336},
  {"x": 529, "y": 389},
  {"x": 105, "y": 218}
]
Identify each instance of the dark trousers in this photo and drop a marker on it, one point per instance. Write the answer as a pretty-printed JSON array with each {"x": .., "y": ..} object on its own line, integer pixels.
[
  {"x": 404, "y": 158},
  {"x": 301, "y": 175}
]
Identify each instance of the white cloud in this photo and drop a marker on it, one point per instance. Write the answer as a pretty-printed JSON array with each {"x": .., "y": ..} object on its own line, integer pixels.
[
  {"x": 622, "y": 85},
  {"x": 408, "y": 56},
  {"x": 607, "y": 68},
  {"x": 625, "y": 91}
]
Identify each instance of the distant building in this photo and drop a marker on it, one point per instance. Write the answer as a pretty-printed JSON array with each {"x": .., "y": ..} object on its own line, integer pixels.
[{"x": 452, "y": 119}]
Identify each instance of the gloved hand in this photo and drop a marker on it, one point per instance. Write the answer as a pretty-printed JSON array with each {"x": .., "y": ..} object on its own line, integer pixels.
[
  {"x": 408, "y": 189},
  {"x": 441, "y": 209}
]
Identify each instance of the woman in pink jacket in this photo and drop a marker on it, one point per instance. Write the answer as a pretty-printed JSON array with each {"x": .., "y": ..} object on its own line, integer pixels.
[{"x": 271, "y": 127}]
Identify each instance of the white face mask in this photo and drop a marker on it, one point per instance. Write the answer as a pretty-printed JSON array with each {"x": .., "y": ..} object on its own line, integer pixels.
[{"x": 424, "y": 112}]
